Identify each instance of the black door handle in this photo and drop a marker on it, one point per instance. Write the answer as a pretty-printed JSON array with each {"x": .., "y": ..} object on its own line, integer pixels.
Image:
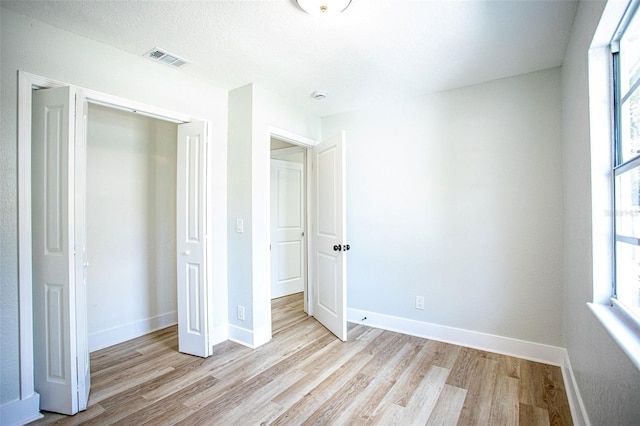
[
  {"x": 337, "y": 247},
  {"x": 346, "y": 247}
]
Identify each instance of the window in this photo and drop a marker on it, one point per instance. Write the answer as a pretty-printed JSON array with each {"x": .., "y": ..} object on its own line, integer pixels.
[{"x": 626, "y": 165}]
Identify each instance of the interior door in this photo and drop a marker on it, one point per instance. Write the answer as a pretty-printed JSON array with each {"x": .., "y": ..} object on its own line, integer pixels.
[
  {"x": 287, "y": 228},
  {"x": 55, "y": 327},
  {"x": 328, "y": 244},
  {"x": 193, "y": 335}
]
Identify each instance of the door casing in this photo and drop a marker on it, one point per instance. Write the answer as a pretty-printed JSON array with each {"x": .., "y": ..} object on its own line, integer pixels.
[{"x": 306, "y": 144}]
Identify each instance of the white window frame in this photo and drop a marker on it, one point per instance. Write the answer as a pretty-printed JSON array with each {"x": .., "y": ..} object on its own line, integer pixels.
[
  {"x": 623, "y": 327},
  {"x": 619, "y": 165}
]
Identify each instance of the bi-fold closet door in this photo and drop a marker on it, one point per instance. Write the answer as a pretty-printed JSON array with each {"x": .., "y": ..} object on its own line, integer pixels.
[
  {"x": 59, "y": 261},
  {"x": 61, "y": 356}
]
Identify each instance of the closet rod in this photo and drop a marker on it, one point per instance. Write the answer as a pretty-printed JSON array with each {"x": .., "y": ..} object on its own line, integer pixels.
[{"x": 135, "y": 111}]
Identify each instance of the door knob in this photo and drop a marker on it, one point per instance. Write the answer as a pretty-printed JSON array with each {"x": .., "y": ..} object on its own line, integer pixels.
[
  {"x": 337, "y": 247},
  {"x": 346, "y": 247},
  {"x": 187, "y": 253}
]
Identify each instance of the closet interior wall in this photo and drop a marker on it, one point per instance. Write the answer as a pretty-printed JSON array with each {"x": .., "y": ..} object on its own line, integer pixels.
[{"x": 131, "y": 225}]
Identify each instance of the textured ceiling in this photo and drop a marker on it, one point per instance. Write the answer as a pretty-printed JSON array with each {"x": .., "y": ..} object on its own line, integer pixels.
[{"x": 375, "y": 51}]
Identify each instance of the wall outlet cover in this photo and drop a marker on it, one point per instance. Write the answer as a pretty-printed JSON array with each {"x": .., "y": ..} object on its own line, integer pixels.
[{"x": 241, "y": 313}]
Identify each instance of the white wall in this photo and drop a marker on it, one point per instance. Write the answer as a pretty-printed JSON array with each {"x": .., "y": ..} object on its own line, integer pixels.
[
  {"x": 457, "y": 197},
  {"x": 239, "y": 190},
  {"x": 251, "y": 108},
  {"x": 608, "y": 382},
  {"x": 38, "y": 48},
  {"x": 131, "y": 225}
]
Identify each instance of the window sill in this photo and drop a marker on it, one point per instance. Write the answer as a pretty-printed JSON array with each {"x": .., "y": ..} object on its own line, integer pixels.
[{"x": 625, "y": 333}]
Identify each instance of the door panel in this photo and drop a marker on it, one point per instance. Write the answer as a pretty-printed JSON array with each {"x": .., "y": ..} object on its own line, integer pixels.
[
  {"x": 328, "y": 231},
  {"x": 290, "y": 261},
  {"x": 327, "y": 168},
  {"x": 287, "y": 228},
  {"x": 193, "y": 335},
  {"x": 82, "y": 263},
  {"x": 54, "y": 298},
  {"x": 328, "y": 265}
]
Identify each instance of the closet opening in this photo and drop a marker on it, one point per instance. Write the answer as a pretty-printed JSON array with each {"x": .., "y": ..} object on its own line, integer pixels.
[
  {"x": 130, "y": 225},
  {"x": 113, "y": 211}
]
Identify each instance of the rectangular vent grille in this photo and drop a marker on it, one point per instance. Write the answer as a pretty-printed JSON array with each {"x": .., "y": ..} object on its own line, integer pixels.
[{"x": 166, "y": 58}]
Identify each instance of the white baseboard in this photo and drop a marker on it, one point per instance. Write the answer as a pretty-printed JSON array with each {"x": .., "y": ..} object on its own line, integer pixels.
[
  {"x": 473, "y": 339},
  {"x": 261, "y": 335},
  {"x": 105, "y": 338},
  {"x": 578, "y": 410},
  {"x": 21, "y": 411},
  {"x": 241, "y": 335},
  {"x": 219, "y": 334},
  {"x": 252, "y": 339}
]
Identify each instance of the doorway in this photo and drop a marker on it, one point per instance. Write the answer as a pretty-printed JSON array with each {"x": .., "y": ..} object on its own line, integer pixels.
[
  {"x": 288, "y": 225},
  {"x": 325, "y": 293},
  {"x": 288, "y": 219}
]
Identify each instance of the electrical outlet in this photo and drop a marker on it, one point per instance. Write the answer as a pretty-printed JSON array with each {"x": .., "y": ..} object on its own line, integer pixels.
[
  {"x": 241, "y": 313},
  {"x": 419, "y": 302}
]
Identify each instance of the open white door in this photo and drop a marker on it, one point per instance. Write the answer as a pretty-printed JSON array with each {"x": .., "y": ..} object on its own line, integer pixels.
[
  {"x": 193, "y": 335},
  {"x": 328, "y": 246},
  {"x": 59, "y": 330},
  {"x": 82, "y": 263},
  {"x": 287, "y": 228}
]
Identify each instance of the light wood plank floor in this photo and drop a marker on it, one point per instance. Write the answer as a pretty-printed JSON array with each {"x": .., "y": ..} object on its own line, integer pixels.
[{"x": 307, "y": 376}]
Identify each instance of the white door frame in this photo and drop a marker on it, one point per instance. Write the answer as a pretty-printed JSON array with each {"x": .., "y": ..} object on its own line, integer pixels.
[
  {"x": 26, "y": 83},
  {"x": 305, "y": 143}
]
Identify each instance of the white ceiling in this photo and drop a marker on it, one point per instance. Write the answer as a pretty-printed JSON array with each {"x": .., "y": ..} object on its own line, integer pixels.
[{"x": 375, "y": 51}]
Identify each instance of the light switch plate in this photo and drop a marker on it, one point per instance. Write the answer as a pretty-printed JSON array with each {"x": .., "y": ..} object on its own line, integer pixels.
[{"x": 239, "y": 226}]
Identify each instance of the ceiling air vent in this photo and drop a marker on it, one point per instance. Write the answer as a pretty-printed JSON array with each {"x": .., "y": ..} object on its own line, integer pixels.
[{"x": 165, "y": 57}]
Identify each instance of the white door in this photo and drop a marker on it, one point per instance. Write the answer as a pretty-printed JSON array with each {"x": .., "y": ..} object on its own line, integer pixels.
[
  {"x": 60, "y": 339},
  {"x": 328, "y": 243},
  {"x": 287, "y": 228},
  {"x": 193, "y": 336},
  {"x": 82, "y": 263}
]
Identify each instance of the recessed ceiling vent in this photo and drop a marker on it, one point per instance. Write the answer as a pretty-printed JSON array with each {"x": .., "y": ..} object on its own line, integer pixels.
[{"x": 166, "y": 57}]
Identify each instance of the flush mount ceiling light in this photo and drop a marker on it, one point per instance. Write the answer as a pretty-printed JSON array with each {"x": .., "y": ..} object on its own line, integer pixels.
[{"x": 323, "y": 7}]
